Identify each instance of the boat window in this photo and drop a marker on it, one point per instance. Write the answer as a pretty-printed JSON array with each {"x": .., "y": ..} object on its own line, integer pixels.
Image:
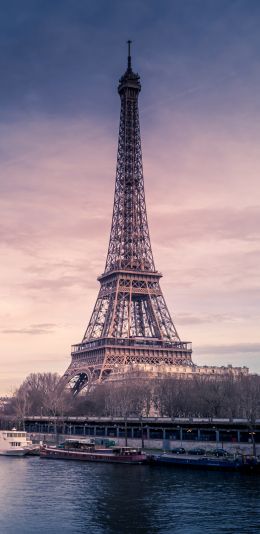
[{"x": 16, "y": 434}]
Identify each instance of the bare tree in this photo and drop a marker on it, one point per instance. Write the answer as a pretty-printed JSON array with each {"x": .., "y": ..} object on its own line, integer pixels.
[
  {"x": 39, "y": 394},
  {"x": 137, "y": 394},
  {"x": 250, "y": 397},
  {"x": 21, "y": 405}
]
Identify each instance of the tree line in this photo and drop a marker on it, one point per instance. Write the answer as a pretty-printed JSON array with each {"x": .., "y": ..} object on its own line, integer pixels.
[{"x": 199, "y": 396}]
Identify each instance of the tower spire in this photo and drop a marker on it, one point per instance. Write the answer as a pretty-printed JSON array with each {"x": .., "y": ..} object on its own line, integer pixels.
[{"x": 129, "y": 59}]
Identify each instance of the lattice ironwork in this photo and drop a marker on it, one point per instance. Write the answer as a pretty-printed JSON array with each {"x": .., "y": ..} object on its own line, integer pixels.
[
  {"x": 129, "y": 246},
  {"x": 130, "y": 322}
]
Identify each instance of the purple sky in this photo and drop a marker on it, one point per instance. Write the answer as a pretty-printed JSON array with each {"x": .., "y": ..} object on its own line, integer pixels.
[{"x": 200, "y": 124}]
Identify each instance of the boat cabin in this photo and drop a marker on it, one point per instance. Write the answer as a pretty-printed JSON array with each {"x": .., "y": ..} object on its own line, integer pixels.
[
  {"x": 12, "y": 441},
  {"x": 126, "y": 450}
]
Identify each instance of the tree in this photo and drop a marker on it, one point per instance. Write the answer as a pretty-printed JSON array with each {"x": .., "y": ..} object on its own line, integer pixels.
[
  {"x": 250, "y": 397},
  {"x": 40, "y": 394}
]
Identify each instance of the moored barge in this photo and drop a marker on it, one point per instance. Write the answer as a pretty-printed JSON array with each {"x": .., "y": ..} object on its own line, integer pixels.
[
  {"x": 235, "y": 463},
  {"x": 89, "y": 452}
]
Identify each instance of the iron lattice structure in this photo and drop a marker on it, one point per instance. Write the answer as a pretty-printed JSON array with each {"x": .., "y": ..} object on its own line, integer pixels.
[{"x": 130, "y": 323}]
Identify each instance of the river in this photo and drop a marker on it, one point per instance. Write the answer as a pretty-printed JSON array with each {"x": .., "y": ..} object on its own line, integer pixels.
[{"x": 40, "y": 496}]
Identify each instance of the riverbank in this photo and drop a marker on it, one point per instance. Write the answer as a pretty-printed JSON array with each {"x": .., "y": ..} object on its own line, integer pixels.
[
  {"x": 157, "y": 433},
  {"x": 151, "y": 445}
]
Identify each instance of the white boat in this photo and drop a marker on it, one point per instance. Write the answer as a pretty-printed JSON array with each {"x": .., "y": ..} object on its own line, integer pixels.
[{"x": 14, "y": 443}]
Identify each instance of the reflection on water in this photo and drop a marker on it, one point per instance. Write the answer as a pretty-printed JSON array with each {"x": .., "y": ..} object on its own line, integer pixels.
[{"x": 38, "y": 495}]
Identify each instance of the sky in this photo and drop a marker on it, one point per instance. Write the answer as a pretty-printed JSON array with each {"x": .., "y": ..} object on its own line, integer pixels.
[{"x": 60, "y": 62}]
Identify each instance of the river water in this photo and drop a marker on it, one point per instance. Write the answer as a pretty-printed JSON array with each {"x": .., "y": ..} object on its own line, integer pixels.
[{"x": 48, "y": 496}]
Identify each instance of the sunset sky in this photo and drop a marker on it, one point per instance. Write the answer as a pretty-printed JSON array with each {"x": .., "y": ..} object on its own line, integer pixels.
[{"x": 199, "y": 62}]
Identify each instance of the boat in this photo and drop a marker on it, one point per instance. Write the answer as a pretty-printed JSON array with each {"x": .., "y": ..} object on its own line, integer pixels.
[
  {"x": 237, "y": 462},
  {"x": 15, "y": 443},
  {"x": 88, "y": 451}
]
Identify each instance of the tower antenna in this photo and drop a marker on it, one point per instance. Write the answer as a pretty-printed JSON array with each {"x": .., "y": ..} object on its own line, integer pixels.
[{"x": 129, "y": 65}]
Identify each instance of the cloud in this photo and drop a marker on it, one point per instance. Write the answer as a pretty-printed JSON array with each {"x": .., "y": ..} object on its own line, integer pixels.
[
  {"x": 216, "y": 318},
  {"x": 55, "y": 283},
  {"x": 236, "y": 354},
  {"x": 62, "y": 283},
  {"x": 49, "y": 188},
  {"x": 241, "y": 224},
  {"x": 33, "y": 329},
  {"x": 232, "y": 349}
]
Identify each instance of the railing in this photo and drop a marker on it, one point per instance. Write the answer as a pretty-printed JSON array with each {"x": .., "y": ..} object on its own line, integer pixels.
[{"x": 131, "y": 342}]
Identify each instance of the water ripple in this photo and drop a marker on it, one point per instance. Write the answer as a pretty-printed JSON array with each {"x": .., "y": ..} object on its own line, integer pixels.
[{"x": 48, "y": 496}]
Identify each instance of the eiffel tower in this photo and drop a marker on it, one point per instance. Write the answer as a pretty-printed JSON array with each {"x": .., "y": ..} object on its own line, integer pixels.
[{"x": 130, "y": 324}]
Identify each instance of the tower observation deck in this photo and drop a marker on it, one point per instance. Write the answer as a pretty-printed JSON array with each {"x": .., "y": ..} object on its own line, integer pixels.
[{"x": 130, "y": 324}]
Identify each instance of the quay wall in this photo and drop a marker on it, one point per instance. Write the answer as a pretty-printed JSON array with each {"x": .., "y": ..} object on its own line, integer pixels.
[
  {"x": 160, "y": 445},
  {"x": 153, "y": 432},
  {"x": 149, "y": 432}
]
